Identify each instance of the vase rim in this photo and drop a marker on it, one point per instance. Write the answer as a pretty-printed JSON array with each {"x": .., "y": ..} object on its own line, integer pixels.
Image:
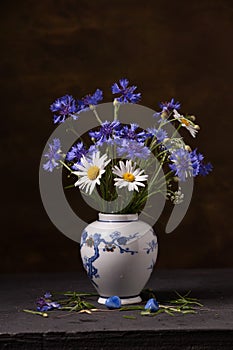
[{"x": 118, "y": 217}]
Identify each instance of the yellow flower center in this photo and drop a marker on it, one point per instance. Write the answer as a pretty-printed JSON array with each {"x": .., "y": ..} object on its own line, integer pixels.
[
  {"x": 185, "y": 121},
  {"x": 93, "y": 172},
  {"x": 128, "y": 177}
]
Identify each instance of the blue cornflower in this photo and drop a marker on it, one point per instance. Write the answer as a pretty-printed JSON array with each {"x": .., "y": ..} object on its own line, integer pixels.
[
  {"x": 131, "y": 134},
  {"x": 93, "y": 99},
  {"x": 63, "y": 107},
  {"x": 169, "y": 106},
  {"x": 205, "y": 169},
  {"x": 181, "y": 163},
  {"x": 76, "y": 153},
  {"x": 199, "y": 168},
  {"x": 160, "y": 116},
  {"x": 126, "y": 92},
  {"x": 132, "y": 149},
  {"x": 88, "y": 100},
  {"x": 54, "y": 155},
  {"x": 47, "y": 295},
  {"x": 106, "y": 131},
  {"x": 93, "y": 149},
  {"x": 196, "y": 159},
  {"x": 157, "y": 115},
  {"x": 152, "y": 305},
  {"x": 160, "y": 134},
  {"x": 113, "y": 302},
  {"x": 44, "y": 304}
]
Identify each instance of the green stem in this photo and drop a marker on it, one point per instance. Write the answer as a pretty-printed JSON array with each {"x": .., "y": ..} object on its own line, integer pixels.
[
  {"x": 66, "y": 166},
  {"x": 95, "y": 113},
  {"x": 71, "y": 128},
  {"x": 116, "y": 109},
  {"x": 43, "y": 314}
]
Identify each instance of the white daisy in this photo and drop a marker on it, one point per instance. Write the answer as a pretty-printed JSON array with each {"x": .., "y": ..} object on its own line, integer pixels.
[
  {"x": 90, "y": 171},
  {"x": 188, "y": 124},
  {"x": 129, "y": 176}
]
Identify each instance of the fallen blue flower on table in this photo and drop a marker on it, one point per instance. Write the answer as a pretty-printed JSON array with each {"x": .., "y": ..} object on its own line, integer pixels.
[
  {"x": 45, "y": 304},
  {"x": 152, "y": 305},
  {"x": 113, "y": 302},
  {"x": 47, "y": 295}
]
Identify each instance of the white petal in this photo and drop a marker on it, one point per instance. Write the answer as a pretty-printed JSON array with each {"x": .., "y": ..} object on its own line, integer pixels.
[
  {"x": 192, "y": 130},
  {"x": 81, "y": 181},
  {"x": 137, "y": 172},
  {"x": 131, "y": 186},
  {"x": 139, "y": 184},
  {"x": 102, "y": 171},
  {"x": 177, "y": 115},
  {"x": 120, "y": 183},
  {"x": 107, "y": 162},
  {"x": 141, "y": 172},
  {"x": 85, "y": 163},
  {"x": 79, "y": 173},
  {"x": 97, "y": 181},
  {"x": 128, "y": 166},
  {"x": 92, "y": 186},
  {"x": 117, "y": 172},
  {"x": 141, "y": 178}
]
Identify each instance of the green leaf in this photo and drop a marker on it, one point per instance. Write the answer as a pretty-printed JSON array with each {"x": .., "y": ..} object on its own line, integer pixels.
[
  {"x": 146, "y": 313},
  {"x": 88, "y": 305},
  {"x": 76, "y": 308},
  {"x": 168, "y": 312},
  {"x": 130, "y": 317},
  {"x": 189, "y": 312},
  {"x": 151, "y": 314},
  {"x": 132, "y": 307}
]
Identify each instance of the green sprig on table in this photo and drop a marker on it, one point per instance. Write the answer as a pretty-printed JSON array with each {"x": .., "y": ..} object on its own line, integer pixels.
[
  {"x": 74, "y": 301},
  {"x": 80, "y": 302}
]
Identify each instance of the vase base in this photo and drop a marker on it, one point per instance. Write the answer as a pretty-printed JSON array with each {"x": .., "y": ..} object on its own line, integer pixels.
[{"x": 124, "y": 301}]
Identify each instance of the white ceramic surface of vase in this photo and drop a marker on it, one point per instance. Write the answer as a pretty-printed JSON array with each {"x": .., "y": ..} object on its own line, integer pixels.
[{"x": 119, "y": 252}]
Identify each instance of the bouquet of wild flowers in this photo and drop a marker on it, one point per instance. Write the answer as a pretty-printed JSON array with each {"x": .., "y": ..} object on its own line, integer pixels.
[{"x": 120, "y": 164}]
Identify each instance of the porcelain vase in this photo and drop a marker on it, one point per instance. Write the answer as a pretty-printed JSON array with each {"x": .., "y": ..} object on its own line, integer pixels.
[{"x": 119, "y": 253}]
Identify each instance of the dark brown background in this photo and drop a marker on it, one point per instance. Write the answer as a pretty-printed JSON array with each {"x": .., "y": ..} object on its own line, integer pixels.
[{"x": 169, "y": 49}]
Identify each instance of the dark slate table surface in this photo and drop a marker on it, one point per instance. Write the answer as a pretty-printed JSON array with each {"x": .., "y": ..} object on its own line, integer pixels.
[{"x": 210, "y": 328}]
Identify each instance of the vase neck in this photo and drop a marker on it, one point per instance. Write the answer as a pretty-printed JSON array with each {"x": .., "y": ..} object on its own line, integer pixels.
[{"x": 118, "y": 217}]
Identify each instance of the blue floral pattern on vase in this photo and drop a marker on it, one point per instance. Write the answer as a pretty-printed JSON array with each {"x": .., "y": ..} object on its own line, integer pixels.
[
  {"x": 94, "y": 240},
  {"x": 151, "y": 246},
  {"x": 151, "y": 265}
]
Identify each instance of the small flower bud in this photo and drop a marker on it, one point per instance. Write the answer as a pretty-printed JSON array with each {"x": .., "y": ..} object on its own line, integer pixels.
[
  {"x": 192, "y": 117},
  {"x": 197, "y": 127},
  {"x": 188, "y": 148},
  {"x": 164, "y": 115},
  {"x": 115, "y": 102},
  {"x": 166, "y": 140}
]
